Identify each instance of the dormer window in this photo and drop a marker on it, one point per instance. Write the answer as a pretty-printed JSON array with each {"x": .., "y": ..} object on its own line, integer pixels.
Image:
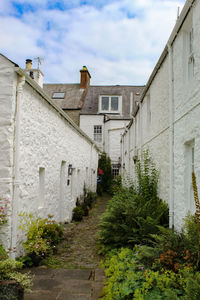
[
  {"x": 109, "y": 104},
  {"x": 58, "y": 95}
]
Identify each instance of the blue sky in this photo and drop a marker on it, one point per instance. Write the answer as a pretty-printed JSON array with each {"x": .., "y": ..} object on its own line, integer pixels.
[{"x": 118, "y": 40}]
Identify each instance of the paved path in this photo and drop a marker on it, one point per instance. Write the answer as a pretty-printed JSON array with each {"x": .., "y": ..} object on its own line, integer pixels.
[
  {"x": 77, "y": 276},
  {"x": 65, "y": 284}
]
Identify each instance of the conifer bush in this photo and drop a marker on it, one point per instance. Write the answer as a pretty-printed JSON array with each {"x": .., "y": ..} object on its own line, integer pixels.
[{"x": 133, "y": 213}]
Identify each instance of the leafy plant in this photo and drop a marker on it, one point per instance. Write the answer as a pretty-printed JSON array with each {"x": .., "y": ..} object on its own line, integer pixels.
[
  {"x": 78, "y": 213},
  {"x": 3, "y": 210},
  {"x": 9, "y": 270},
  {"x": 132, "y": 215},
  {"x": 3, "y": 253},
  {"x": 128, "y": 279},
  {"x": 41, "y": 236}
]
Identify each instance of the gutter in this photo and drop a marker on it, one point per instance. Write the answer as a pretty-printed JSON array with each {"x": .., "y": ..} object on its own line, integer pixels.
[
  {"x": 16, "y": 159},
  {"x": 35, "y": 86}
]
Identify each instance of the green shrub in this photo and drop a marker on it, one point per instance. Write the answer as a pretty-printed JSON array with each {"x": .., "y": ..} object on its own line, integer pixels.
[
  {"x": 3, "y": 253},
  {"x": 116, "y": 184},
  {"x": 78, "y": 213},
  {"x": 132, "y": 215},
  {"x": 9, "y": 270},
  {"x": 127, "y": 279},
  {"x": 41, "y": 236},
  {"x": 53, "y": 233}
]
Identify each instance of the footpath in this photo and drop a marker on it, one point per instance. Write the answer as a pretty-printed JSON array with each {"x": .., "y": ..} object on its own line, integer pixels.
[{"x": 74, "y": 272}]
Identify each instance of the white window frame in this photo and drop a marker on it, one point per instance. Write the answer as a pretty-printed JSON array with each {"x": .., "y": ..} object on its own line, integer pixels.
[
  {"x": 98, "y": 133},
  {"x": 58, "y": 95},
  {"x": 109, "y": 105},
  {"x": 115, "y": 170}
]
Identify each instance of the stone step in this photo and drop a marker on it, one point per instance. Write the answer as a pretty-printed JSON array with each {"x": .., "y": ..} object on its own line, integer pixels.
[{"x": 60, "y": 284}]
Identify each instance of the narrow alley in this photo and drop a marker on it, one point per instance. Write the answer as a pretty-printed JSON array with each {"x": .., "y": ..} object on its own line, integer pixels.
[{"x": 74, "y": 272}]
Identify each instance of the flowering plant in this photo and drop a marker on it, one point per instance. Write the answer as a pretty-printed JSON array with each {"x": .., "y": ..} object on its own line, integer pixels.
[{"x": 3, "y": 210}]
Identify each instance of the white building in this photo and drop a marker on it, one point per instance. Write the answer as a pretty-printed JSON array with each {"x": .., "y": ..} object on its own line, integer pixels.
[
  {"x": 102, "y": 112},
  {"x": 167, "y": 119},
  {"x": 45, "y": 158}
]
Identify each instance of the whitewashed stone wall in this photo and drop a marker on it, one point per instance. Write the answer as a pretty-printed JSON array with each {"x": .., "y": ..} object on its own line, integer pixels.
[
  {"x": 48, "y": 144},
  {"x": 7, "y": 109},
  {"x": 178, "y": 127},
  {"x": 150, "y": 130},
  {"x": 186, "y": 117}
]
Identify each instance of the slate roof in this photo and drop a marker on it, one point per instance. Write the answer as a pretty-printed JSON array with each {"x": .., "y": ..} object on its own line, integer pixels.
[
  {"x": 73, "y": 95},
  {"x": 90, "y": 105}
]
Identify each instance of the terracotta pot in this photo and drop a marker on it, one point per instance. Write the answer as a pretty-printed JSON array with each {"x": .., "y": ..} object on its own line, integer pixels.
[{"x": 11, "y": 290}]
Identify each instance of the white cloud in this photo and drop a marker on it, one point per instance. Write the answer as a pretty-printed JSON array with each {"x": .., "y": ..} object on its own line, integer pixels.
[{"x": 119, "y": 42}]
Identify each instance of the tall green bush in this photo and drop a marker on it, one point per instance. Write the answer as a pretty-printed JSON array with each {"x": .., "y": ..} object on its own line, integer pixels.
[
  {"x": 106, "y": 178},
  {"x": 133, "y": 213}
]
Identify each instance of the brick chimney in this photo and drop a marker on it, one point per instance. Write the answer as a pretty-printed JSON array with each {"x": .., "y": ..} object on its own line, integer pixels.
[{"x": 85, "y": 78}]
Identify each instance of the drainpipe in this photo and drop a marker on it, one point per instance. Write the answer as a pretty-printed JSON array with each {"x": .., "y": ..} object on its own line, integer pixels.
[
  {"x": 171, "y": 137},
  {"x": 16, "y": 152}
]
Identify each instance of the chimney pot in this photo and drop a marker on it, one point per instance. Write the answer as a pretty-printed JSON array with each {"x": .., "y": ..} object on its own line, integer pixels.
[{"x": 28, "y": 64}]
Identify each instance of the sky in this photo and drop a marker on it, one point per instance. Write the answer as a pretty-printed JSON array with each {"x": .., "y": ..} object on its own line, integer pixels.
[{"x": 119, "y": 41}]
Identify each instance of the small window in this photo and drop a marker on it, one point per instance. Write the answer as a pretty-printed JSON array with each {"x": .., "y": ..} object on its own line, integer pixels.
[
  {"x": 115, "y": 170},
  {"x": 105, "y": 103},
  {"x": 190, "y": 55},
  {"x": 98, "y": 133},
  {"x": 59, "y": 95},
  {"x": 114, "y": 103},
  {"x": 109, "y": 104}
]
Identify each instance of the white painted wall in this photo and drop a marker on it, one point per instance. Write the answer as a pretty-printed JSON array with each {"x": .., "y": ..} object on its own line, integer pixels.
[
  {"x": 151, "y": 133},
  {"x": 184, "y": 134},
  {"x": 186, "y": 118},
  {"x": 87, "y": 123},
  {"x": 48, "y": 144}
]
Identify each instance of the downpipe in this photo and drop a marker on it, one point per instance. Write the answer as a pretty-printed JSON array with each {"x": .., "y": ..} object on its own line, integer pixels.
[{"x": 16, "y": 158}]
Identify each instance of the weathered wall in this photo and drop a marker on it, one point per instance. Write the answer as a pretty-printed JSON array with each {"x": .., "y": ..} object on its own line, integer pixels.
[
  {"x": 48, "y": 143},
  {"x": 179, "y": 127},
  {"x": 150, "y": 131},
  {"x": 186, "y": 117},
  {"x": 7, "y": 110}
]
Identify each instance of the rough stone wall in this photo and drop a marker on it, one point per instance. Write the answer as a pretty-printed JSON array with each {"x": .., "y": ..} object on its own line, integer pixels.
[
  {"x": 48, "y": 144},
  {"x": 186, "y": 117},
  {"x": 150, "y": 130},
  {"x": 47, "y": 141},
  {"x": 7, "y": 108}
]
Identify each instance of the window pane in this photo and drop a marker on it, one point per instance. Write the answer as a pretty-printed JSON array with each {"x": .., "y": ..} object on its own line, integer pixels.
[
  {"x": 115, "y": 170},
  {"x": 97, "y": 133},
  {"x": 59, "y": 95},
  {"x": 105, "y": 103},
  {"x": 114, "y": 103}
]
